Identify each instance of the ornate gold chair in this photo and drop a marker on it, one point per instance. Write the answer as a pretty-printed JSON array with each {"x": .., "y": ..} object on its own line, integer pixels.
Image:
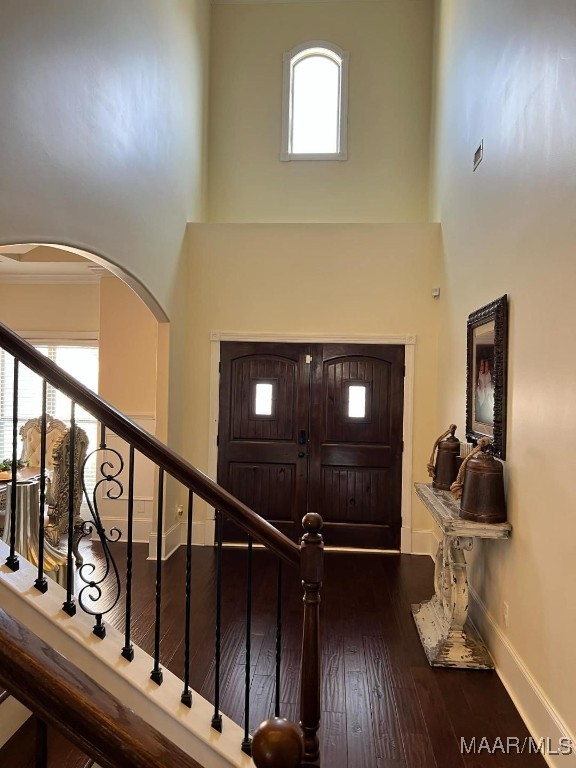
[
  {"x": 31, "y": 432},
  {"x": 58, "y": 507}
]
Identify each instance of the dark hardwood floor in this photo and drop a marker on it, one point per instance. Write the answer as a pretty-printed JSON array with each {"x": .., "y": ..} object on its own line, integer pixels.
[{"x": 383, "y": 706}]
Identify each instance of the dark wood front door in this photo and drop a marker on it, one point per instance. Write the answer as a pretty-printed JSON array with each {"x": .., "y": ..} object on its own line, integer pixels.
[{"x": 314, "y": 427}]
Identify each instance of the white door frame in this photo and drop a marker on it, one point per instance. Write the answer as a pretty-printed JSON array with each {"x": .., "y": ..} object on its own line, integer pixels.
[{"x": 408, "y": 341}]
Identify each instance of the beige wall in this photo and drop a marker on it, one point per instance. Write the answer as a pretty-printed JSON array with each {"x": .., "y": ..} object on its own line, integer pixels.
[
  {"x": 507, "y": 75},
  {"x": 102, "y": 125},
  {"x": 386, "y": 175},
  {"x": 323, "y": 279},
  {"x": 50, "y": 307},
  {"x": 128, "y": 347}
]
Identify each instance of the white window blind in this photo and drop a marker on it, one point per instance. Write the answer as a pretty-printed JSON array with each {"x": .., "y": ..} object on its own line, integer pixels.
[{"x": 79, "y": 361}]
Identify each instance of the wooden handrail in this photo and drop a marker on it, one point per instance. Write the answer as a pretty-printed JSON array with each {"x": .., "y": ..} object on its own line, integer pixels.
[
  {"x": 63, "y": 696},
  {"x": 177, "y": 467}
]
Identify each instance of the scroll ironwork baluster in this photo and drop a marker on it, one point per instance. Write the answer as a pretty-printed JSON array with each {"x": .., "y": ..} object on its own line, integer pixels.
[
  {"x": 186, "y": 697},
  {"x": 217, "y": 717},
  {"x": 41, "y": 582},
  {"x": 247, "y": 742},
  {"x": 156, "y": 674},
  {"x": 69, "y": 606},
  {"x": 128, "y": 650},
  {"x": 12, "y": 560},
  {"x": 278, "y": 640},
  {"x": 93, "y": 598}
]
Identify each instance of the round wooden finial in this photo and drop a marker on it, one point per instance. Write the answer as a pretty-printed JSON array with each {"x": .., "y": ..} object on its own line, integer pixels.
[
  {"x": 277, "y": 743},
  {"x": 312, "y": 522}
]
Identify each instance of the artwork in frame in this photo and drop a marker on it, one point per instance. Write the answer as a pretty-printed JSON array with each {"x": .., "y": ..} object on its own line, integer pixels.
[{"x": 486, "y": 374}]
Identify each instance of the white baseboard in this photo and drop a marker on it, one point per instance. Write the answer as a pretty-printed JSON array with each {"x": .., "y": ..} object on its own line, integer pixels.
[
  {"x": 171, "y": 540},
  {"x": 141, "y": 529},
  {"x": 198, "y": 533},
  {"x": 176, "y": 537},
  {"x": 541, "y": 719},
  {"x": 424, "y": 543}
]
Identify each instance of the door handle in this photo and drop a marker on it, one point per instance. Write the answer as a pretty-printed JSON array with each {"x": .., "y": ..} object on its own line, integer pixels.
[
  {"x": 302, "y": 437},
  {"x": 301, "y": 454}
]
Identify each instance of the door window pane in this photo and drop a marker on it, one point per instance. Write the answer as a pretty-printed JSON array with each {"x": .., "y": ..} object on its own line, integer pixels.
[
  {"x": 357, "y": 401},
  {"x": 263, "y": 403}
]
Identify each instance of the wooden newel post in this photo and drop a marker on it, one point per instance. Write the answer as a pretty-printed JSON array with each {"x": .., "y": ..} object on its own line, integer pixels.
[{"x": 312, "y": 569}]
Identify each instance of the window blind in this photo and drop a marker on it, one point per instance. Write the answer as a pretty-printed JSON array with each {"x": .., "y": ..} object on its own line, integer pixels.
[{"x": 79, "y": 361}]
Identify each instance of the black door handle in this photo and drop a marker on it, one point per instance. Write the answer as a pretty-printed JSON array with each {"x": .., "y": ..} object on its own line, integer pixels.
[
  {"x": 302, "y": 437},
  {"x": 301, "y": 454}
]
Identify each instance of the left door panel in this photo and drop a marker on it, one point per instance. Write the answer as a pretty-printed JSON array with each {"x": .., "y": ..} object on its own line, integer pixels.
[{"x": 263, "y": 431}]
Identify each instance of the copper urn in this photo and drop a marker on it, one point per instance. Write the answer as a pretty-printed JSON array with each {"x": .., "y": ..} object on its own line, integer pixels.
[
  {"x": 446, "y": 467},
  {"x": 483, "y": 492}
]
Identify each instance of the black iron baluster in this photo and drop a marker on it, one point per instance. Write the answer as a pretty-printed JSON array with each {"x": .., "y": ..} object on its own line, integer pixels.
[
  {"x": 12, "y": 561},
  {"x": 186, "y": 697},
  {"x": 41, "y": 582},
  {"x": 217, "y": 717},
  {"x": 69, "y": 606},
  {"x": 41, "y": 760},
  {"x": 278, "y": 640},
  {"x": 247, "y": 741},
  {"x": 156, "y": 674},
  {"x": 128, "y": 650}
]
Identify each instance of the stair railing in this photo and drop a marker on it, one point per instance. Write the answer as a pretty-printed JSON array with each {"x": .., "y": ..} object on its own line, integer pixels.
[
  {"x": 101, "y": 593},
  {"x": 64, "y": 697}
]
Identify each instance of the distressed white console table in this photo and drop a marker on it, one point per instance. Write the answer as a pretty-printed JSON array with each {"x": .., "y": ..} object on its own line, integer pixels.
[{"x": 447, "y": 635}]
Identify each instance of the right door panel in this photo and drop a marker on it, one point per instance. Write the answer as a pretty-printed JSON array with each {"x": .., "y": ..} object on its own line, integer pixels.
[{"x": 357, "y": 396}]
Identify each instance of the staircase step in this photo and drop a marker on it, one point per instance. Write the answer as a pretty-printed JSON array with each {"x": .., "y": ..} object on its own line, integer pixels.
[{"x": 19, "y": 751}]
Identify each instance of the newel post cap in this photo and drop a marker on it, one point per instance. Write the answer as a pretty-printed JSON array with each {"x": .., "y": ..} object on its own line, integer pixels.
[{"x": 277, "y": 743}]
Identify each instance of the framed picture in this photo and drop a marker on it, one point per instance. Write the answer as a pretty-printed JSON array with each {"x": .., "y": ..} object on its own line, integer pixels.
[{"x": 486, "y": 374}]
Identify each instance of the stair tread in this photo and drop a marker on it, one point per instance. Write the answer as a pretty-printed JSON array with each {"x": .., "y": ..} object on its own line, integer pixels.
[{"x": 19, "y": 751}]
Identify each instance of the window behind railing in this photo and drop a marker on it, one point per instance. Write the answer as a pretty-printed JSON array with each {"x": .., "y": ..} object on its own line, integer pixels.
[{"x": 81, "y": 361}]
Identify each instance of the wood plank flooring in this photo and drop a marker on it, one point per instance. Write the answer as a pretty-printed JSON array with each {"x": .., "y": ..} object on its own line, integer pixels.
[{"x": 382, "y": 705}]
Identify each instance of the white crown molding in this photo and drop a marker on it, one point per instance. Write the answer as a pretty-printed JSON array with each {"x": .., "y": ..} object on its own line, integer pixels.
[
  {"x": 59, "y": 336},
  {"x": 16, "y": 279}
]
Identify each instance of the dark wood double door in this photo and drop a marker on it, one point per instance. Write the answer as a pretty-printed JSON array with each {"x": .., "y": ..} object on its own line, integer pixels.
[{"x": 314, "y": 427}]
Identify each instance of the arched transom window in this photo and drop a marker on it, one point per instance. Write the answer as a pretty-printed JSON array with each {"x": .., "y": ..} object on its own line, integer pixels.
[{"x": 314, "y": 102}]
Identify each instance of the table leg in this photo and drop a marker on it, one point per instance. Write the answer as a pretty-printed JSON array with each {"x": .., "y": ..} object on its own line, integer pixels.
[{"x": 448, "y": 637}]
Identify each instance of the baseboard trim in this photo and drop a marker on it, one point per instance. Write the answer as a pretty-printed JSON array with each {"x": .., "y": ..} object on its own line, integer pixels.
[
  {"x": 141, "y": 529},
  {"x": 198, "y": 533},
  {"x": 171, "y": 540},
  {"x": 424, "y": 543},
  {"x": 537, "y": 711}
]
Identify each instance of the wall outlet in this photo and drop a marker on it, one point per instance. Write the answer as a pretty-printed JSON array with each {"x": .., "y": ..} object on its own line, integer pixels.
[
  {"x": 180, "y": 510},
  {"x": 505, "y": 613}
]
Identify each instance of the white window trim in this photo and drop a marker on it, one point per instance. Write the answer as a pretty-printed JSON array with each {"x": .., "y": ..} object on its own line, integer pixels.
[{"x": 285, "y": 154}]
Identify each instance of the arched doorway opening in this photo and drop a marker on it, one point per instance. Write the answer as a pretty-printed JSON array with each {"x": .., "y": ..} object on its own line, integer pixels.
[{"x": 61, "y": 297}]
